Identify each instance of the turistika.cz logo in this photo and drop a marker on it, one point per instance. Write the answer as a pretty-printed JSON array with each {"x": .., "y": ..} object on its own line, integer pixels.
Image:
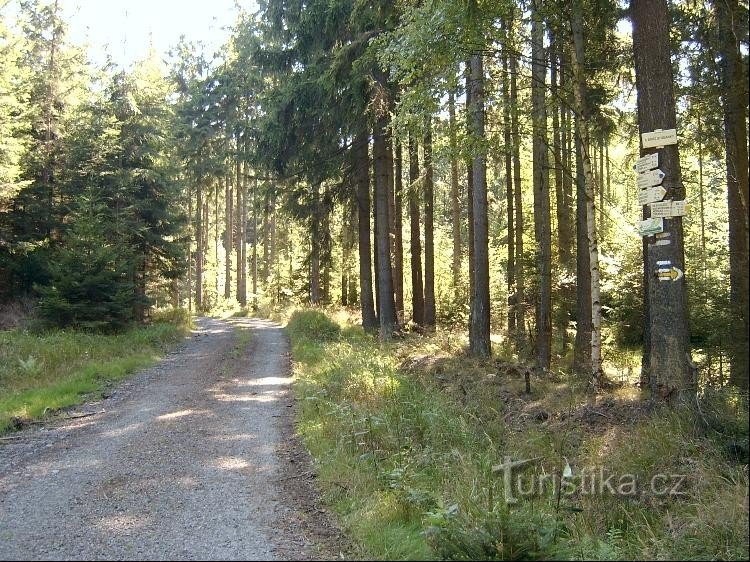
[{"x": 588, "y": 481}]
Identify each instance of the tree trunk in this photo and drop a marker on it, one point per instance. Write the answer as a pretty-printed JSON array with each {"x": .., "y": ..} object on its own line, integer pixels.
[
  {"x": 479, "y": 332},
  {"x": 455, "y": 204},
  {"x": 199, "y": 245},
  {"x": 564, "y": 238},
  {"x": 670, "y": 369},
  {"x": 592, "y": 244},
  {"x": 387, "y": 305},
  {"x": 511, "y": 269},
  {"x": 734, "y": 101},
  {"x": 254, "y": 202},
  {"x": 415, "y": 242},
  {"x": 582, "y": 352},
  {"x": 520, "y": 301},
  {"x": 228, "y": 227},
  {"x": 542, "y": 223},
  {"x": 315, "y": 246},
  {"x": 241, "y": 229},
  {"x": 361, "y": 171},
  {"x": 398, "y": 226},
  {"x": 469, "y": 193},
  {"x": 429, "y": 231}
]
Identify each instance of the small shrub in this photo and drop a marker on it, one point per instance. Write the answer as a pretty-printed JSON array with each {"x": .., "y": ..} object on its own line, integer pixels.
[{"x": 313, "y": 325}]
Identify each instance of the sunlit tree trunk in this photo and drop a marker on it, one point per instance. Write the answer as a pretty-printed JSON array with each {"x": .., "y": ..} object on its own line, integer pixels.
[
  {"x": 429, "y": 231},
  {"x": 592, "y": 244},
  {"x": 415, "y": 242}
]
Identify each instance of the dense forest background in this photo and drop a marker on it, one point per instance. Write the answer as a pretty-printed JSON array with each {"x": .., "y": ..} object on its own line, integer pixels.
[{"x": 433, "y": 165}]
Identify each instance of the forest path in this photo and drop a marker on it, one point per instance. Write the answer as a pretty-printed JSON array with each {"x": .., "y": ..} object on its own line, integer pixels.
[{"x": 192, "y": 459}]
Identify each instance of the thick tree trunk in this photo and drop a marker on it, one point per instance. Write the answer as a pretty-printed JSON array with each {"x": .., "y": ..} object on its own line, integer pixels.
[
  {"x": 415, "y": 242},
  {"x": 361, "y": 171},
  {"x": 670, "y": 370},
  {"x": 429, "y": 231},
  {"x": 387, "y": 305},
  {"x": 542, "y": 223},
  {"x": 479, "y": 332},
  {"x": 734, "y": 100},
  {"x": 469, "y": 193}
]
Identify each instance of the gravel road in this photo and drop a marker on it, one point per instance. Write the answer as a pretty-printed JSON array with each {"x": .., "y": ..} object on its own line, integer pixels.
[{"x": 192, "y": 459}]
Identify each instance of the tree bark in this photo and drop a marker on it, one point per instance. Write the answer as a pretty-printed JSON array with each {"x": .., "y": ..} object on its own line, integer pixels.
[
  {"x": 387, "y": 305},
  {"x": 592, "y": 244},
  {"x": 315, "y": 247},
  {"x": 429, "y": 231},
  {"x": 415, "y": 242},
  {"x": 398, "y": 227},
  {"x": 670, "y": 370},
  {"x": 361, "y": 170},
  {"x": 582, "y": 351},
  {"x": 511, "y": 269},
  {"x": 199, "y": 245},
  {"x": 479, "y": 333},
  {"x": 455, "y": 203},
  {"x": 228, "y": 227},
  {"x": 734, "y": 100},
  {"x": 520, "y": 302},
  {"x": 542, "y": 223}
]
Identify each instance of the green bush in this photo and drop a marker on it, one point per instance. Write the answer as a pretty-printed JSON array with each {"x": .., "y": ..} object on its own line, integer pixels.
[
  {"x": 313, "y": 325},
  {"x": 90, "y": 286}
]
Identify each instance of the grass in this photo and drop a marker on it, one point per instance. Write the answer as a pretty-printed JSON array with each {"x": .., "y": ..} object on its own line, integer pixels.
[
  {"x": 42, "y": 373},
  {"x": 405, "y": 435}
]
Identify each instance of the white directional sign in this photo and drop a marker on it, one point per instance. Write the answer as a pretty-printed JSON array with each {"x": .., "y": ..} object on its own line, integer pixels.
[
  {"x": 659, "y": 138},
  {"x": 650, "y": 178},
  {"x": 651, "y": 195},
  {"x": 648, "y": 162},
  {"x": 669, "y": 209},
  {"x": 651, "y": 226}
]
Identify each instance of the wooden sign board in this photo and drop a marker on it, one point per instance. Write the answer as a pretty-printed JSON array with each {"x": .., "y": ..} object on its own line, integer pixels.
[
  {"x": 650, "y": 178},
  {"x": 646, "y": 163},
  {"x": 669, "y": 208},
  {"x": 651, "y": 195},
  {"x": 659, "y": 138}
]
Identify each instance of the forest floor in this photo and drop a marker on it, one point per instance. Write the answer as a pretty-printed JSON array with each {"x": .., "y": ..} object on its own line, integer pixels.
[{"x": 194, "y": 458}]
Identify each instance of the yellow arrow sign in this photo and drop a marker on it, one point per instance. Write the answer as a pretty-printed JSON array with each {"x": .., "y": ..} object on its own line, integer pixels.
[{"x": 671, "y": 274}]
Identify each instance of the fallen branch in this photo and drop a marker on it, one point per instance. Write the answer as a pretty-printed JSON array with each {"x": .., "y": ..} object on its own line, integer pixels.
[{"x": 83, "y": 415}]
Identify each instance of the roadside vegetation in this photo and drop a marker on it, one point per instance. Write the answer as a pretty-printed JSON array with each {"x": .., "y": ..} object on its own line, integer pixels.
[
  {"x": 405, "y": 435},
  {"x": 44, "y": 372}
]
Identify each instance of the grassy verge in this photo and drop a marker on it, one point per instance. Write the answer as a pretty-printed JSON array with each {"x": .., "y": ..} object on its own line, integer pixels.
[
  {"x": 405, "y": 436},
  {"x": 41, "y": 373}
]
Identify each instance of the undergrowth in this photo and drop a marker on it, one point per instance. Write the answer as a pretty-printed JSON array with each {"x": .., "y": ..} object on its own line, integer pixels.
[
  {"x": 405, "y": 436},
  {"x": 41, "y": 373}
]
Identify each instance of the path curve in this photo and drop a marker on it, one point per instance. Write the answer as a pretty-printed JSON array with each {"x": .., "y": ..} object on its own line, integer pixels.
[{"x": 190, "y": 459}]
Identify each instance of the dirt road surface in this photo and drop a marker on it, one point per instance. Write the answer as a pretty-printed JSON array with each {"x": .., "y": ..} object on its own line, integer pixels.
[{"x": 192, "y": 459}]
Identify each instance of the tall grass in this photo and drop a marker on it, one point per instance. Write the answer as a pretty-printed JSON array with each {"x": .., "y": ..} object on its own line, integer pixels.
[
  {"x": 405, "y": 456},
  {"x": 40, "y": 373}
]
